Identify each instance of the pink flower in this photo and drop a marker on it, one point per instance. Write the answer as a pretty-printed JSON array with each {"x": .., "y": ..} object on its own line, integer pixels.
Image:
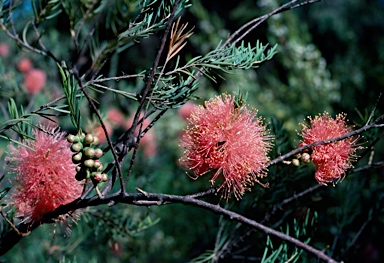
[
  {"x": 24, "y": 65},
  {"x": 229, "y": 141},
  {"x": 99, "y": 132},
  {"x": 45, "y": 174},
  {"x": 34, "y": 80},
  {"x": 334, "y": 158}
]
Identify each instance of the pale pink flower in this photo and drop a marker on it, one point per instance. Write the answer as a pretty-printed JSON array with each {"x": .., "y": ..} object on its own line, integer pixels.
[
  {"x": 229, "y": 141},
  {"x": 34, "y": 80},
  {"x": 115, "y": 117},
  {"x": 45, "y": 174},
  {"x": 4, "y": 50},
  {"x": 334, "y": 158},
  {"x": 186, "y": 110}
]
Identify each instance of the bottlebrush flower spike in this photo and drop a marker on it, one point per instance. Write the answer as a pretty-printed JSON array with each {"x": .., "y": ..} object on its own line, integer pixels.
[
  {"x": 334, "y": 158},
  {"x": 45, "y": 176},
  {"x": 226, "y": 138}
]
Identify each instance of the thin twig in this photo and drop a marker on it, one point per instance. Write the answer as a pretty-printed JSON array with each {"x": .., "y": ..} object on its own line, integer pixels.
[
  {"x": 13, "y": 226},
  {"x": 149, "y": 82},
  {"x": 366, "y": 167},
  {"x": 290, "y": 199},
  {"x": 374, "y": 108},
  {"x": 357, "y": 235},
  {"x": 257, "y": 21}
]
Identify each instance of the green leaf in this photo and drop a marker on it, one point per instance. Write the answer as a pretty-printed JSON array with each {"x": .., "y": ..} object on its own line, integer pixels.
[
  {"x": 73, "y": 99},
  {"x": 4, "y": 192}
]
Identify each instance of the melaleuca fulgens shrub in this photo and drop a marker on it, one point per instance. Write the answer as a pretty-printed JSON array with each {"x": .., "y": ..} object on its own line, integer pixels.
[{"x": 115, "y": 124}]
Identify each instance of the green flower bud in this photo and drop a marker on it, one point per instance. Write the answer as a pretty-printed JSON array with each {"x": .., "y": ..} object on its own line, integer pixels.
[
  {"x": 89, "y": 163},
  {"x": 100, "y": 168},
  {"x": 295, "y": 162},
  {"x": 98, "y": 153},
  {"x": 305, "y": 158},
  {"x": 97, "y": 177},
  {"x": 97, "y": 164},
  {"x": 88, "y": 174},
  {"x": 77, "y": 157},
  {"x": 95, "y": 140},
  {"x": 78, "y": 168},
  {"x": 104, "y": 177},
  {"x": 71, "y": 138},
  {"x": 89, "y": 152},
  {"x": 88, "y": 139},
  {"x": 77, "y": 147}
]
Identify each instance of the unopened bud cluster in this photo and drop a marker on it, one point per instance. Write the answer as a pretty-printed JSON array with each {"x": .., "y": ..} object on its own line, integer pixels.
[
  {"x": 87, "y": 157},
  {"x": 304, "y": 157}
]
